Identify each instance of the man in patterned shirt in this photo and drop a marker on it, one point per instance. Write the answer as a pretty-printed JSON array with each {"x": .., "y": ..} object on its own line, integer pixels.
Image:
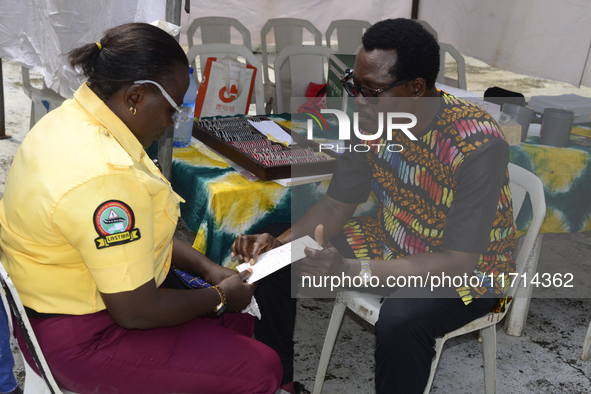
[{"x": 444, "y": 208}]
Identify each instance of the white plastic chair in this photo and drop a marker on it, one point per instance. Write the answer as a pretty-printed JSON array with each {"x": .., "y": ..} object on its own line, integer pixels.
[
  {"x": 368, "y": 308},
  {"x": 221, "y": 50},
  {"x": 217, "y": 30},
  {"x": 34, "y": 384},
  {"x": 42, "y": 100},
  {"x": 306, "y": 64},
  {"x": 428, "y": 27},
  {"x": 287, "y": 32},
  {"x": 349, "y": 32},
  {"x": 587, "y": 345},
  {"x": 460, "y": 77}
]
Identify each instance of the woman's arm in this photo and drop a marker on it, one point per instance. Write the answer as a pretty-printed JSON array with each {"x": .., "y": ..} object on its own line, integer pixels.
[
  {"x": 190, "y": 260},
  {"x": 151, "y": 307}
]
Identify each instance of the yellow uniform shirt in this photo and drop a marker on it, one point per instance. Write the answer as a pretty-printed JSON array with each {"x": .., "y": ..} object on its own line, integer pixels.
[{"x": 84, "y": 210}]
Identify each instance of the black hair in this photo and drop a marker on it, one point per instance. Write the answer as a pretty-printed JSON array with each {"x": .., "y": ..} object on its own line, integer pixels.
[
  {"x": 418, "y": 50},
  {"x": 128, "y": 53}
]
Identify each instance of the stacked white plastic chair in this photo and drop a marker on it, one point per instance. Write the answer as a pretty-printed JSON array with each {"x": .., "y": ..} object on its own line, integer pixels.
[
  {"x": 349, "y": 33},
  {"x": 286, "y": 32},
  {"x": 444, "y": 49},
  {"x": 306, "y": 64},
  {"x": 217, "y": 30}
]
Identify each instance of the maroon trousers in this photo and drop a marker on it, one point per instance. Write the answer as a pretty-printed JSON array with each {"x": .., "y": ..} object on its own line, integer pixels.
[{"x": 91, "y": 354}]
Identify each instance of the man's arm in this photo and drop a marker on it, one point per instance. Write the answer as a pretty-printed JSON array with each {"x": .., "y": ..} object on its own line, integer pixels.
[
  {"x": 328, "y": 261},
  {"x": 327, "y": 211},
  {"x": 467, "y": 229}
]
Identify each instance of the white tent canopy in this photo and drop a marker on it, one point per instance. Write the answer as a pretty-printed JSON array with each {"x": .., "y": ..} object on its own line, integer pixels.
[
  {"x": 39, "y": 33},
  {"x": 544, "y": 38}
]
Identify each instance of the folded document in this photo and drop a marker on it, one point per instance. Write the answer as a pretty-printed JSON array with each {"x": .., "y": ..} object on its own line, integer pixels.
[{"x": 277, "y": 258}]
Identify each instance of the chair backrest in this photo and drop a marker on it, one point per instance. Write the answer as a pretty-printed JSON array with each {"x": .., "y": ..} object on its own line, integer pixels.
[
  {"x": 306, "y": 64},
  {"x": 428, "y": 27},
  {"x": 460, "y": 64},
  {"x": 221, "y": 50},
  {"x": 42, "y": 100},
  {"x": 444, "y": 49},
  {"x": 217, "y": 30},
  {"x": 524, "y": 182},
  {"x": 11, "y": 298},
  {"x": 287, "y": 32},
  {"x": 349, "y": 32}
]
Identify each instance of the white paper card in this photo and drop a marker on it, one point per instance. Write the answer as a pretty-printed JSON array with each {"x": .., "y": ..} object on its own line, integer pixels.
[
  {"x": 277, "y": 258},
  {"x": 270, "y": 128}
]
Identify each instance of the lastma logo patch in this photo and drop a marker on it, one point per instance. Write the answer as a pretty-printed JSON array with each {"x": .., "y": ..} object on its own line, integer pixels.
[{"x": 114, "y": 222}]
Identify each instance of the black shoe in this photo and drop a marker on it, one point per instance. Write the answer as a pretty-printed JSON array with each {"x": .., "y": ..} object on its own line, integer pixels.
[
  {"x": 299, "y": 388},
  {"x": 17, "y": 390}
]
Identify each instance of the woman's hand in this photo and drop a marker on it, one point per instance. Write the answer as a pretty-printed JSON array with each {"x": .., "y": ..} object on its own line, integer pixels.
[
  {"x": 217, "y": 273},
  {"x": 238, "y": 293},
  {"x": 249, "y": 247}
]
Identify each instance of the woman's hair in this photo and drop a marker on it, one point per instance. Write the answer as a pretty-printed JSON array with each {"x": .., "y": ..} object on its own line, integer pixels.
[
  {"x": 126, "y": 54},
  {"x": 418, "y": 50}
]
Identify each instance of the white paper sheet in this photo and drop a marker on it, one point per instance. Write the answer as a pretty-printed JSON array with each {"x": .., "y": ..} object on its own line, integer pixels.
[
  {"x": 270, "y": 128},
  {"x": 277, "y": 258}
]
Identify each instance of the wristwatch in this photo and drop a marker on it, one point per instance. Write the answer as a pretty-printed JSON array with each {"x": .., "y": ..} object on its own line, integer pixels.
[
  {"x": 365, "y": 273},
  {"x": 221, "y": 307}
]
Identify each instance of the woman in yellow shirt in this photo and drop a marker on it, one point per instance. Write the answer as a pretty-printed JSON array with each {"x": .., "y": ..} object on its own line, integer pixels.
[{"x": 87, "y": 224}]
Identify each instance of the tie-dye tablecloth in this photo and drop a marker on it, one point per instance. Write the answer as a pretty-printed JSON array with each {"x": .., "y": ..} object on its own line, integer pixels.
[
  {"x": 566, "y": 175},
  {"x": 220, "y": 203}
]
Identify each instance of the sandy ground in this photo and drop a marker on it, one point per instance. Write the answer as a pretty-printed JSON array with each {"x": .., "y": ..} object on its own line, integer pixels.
[{"x": 546, "y": 359}]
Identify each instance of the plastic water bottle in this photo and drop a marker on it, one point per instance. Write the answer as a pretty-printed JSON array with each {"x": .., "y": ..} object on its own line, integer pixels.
[{"x": 184, "y": 130}]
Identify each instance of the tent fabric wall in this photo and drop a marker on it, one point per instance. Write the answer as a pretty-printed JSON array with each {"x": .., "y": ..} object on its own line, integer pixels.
[
  {"x": 545, "y": 38},
  {"x": 254, "y": 13},
  {"x": 39, "y": 33}
]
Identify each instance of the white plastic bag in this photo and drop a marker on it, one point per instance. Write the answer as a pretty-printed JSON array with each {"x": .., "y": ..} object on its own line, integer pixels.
[{"x": 225, "y": 89}]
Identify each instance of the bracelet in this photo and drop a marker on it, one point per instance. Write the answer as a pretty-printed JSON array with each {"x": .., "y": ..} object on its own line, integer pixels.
[
  {"x": 221, "y": 307},
  {"x": 220, "y": 293}
]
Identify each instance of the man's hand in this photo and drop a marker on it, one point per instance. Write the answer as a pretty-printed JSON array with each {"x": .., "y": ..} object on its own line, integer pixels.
[
  {"x": 327, "y": 261},
  {"x": 249, "y": 247}
]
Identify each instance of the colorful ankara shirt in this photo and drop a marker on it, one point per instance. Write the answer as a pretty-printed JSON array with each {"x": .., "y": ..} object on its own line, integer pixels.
[{"x": 449, "y": 189}]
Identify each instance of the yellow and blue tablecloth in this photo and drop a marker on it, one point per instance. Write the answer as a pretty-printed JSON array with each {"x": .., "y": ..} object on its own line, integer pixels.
[{"x": 566, "y": 175}]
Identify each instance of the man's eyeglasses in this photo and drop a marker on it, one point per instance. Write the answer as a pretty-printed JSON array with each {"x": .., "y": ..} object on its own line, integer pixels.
[
  {"x": 182, "y": 113},
  {"x": 370, "y": 94}
]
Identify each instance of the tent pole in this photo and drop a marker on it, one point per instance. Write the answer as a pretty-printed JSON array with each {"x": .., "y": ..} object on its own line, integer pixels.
[
  {"x": 414, "y": 13},
  {"x": 173, "y": 15},
  {"x": 2, "y": 118}
]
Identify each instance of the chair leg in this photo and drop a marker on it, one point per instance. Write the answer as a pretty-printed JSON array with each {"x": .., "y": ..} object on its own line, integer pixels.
[
  {"x": 587, "y": 345},
  {"x": 331, "y": 337},
  {"x": 489, "y": 354},
  {"x": 438, "y": 347},
  {"x": 34, "y": 384},
  {"x": 32, "y": 121}
]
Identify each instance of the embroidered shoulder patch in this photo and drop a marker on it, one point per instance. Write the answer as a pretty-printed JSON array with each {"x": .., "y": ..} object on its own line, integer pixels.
[{"x": 113, "y": 221}]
